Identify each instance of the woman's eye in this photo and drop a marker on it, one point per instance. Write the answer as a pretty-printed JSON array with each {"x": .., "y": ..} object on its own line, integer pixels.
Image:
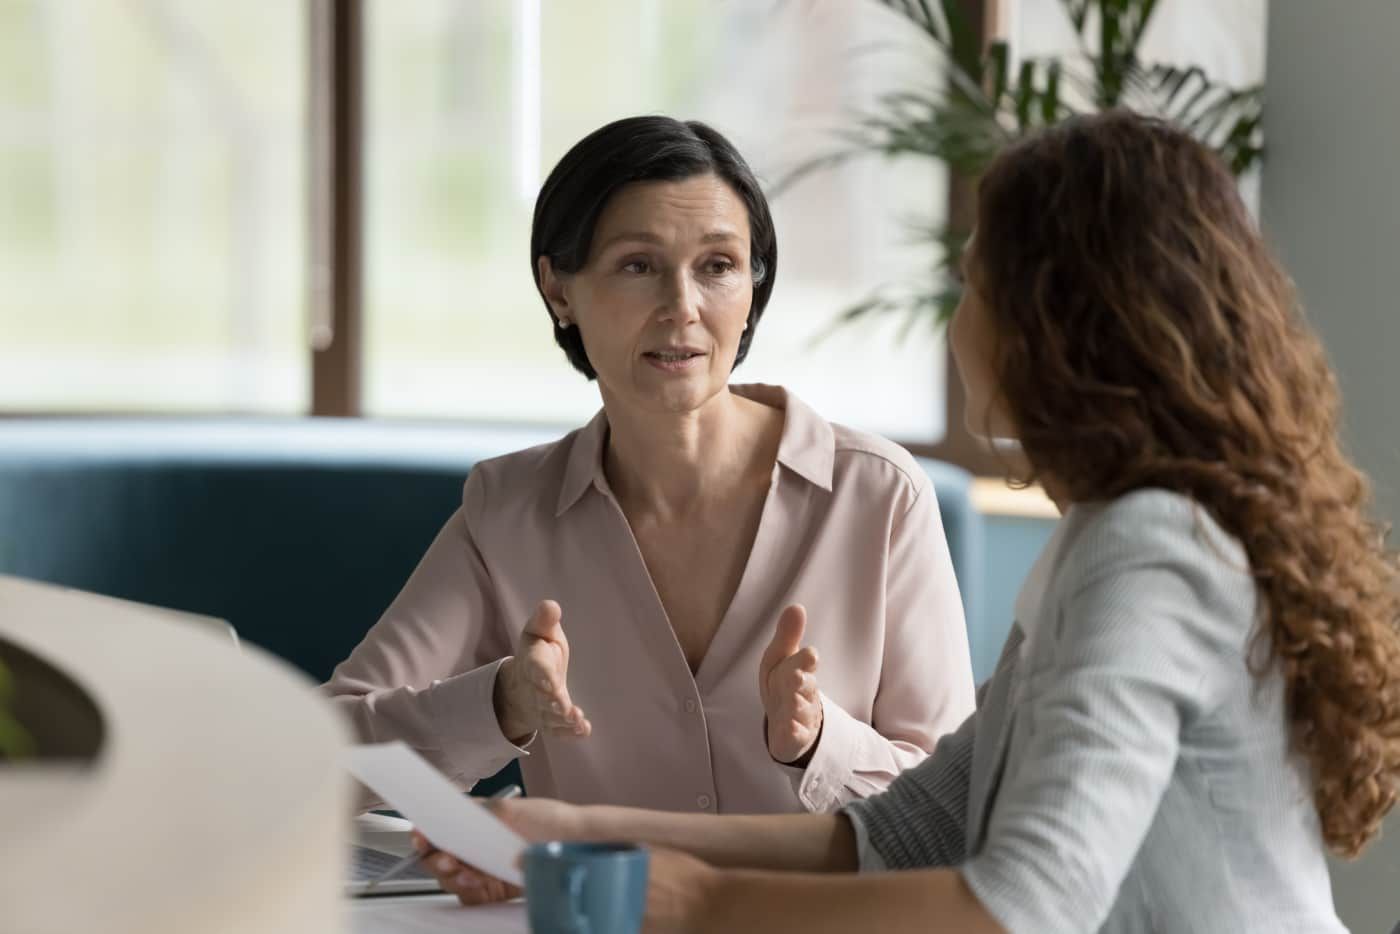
[
  {"x": 638, "y": 267},
  {"x": 720, "y": 267}
]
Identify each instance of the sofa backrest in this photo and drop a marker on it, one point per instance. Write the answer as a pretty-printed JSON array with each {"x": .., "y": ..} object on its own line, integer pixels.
[{"x": 298, "y": 532}]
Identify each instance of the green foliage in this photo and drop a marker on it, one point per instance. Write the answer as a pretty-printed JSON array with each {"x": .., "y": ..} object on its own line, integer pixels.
[
  {"x": 987, "y": 102},
  {"x": 15, "y": 741}
]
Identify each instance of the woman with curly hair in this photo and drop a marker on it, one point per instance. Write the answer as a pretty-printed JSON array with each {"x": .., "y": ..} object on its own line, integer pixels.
[{"x": 1201, "y": 693}]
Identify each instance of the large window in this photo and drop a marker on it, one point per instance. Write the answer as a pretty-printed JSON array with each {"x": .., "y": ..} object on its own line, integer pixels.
[
  {"x": 152, "y": 206},
  {"x": 470, "y": 104},
  {"x": 154, "y": 188}
]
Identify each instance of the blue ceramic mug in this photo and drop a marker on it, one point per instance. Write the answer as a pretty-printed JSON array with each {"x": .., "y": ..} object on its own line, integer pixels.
[{"x": 585, "y": 888}]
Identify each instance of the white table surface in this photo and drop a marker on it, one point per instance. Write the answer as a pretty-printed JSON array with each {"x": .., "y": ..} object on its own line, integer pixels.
[
  {"x": 219, "y": 780},
  {"x": 430, "y": 914}
]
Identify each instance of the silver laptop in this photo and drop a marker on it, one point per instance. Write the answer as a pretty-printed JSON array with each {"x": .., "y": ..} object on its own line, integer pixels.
[
  {"x": 368, "y": 864},
  {"x": 380, "y": 842}
]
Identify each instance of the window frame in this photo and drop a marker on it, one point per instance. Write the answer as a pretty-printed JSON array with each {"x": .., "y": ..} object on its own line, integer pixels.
[{"x": 335, "y": 229}]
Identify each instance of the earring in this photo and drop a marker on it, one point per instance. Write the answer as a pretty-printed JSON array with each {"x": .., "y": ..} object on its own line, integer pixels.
[{"x": 562, "y": 323}]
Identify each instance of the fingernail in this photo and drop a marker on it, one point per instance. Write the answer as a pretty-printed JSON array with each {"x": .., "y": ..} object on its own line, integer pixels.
[
  {"x": 558, "y": 707},
  {"x": 467, "y": 881},
  {"x": 444, "y": 863},
  {"x": 544, "y": 683}
]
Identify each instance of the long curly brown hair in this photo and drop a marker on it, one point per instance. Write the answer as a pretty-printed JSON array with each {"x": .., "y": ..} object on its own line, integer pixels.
[{"x": 1146, "y": 337}]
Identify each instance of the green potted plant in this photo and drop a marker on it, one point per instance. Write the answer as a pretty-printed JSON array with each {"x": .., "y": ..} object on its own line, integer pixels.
[
  {"x": 46, "y": 717},
  {"x": 15, "y": 741},
  {"x": 986, "y": 101}
]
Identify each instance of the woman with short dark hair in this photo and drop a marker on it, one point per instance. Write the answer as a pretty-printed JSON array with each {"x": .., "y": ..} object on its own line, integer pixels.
[
  {"x": 760, "y": 605},
  {"x": 661, "y": 150}
]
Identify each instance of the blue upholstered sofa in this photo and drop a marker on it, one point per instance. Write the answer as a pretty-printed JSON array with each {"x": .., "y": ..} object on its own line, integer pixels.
[{"x": 299, "y": 532}]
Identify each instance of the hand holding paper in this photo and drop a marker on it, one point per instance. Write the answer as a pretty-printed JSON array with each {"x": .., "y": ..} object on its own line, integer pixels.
[{"x": 454, "y": 822}]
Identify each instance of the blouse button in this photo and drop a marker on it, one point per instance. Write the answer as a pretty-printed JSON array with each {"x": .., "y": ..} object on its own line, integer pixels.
[
  {"x": 703, "y": 802},
  {"x": 689, "y": 705}
]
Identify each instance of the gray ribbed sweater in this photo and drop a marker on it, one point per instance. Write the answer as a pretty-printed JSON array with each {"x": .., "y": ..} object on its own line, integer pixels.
[{"x": 1123, "y": 772}]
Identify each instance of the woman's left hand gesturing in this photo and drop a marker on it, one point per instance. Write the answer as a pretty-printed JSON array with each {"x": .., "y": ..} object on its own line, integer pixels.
[{"x": 787, "y": 683}]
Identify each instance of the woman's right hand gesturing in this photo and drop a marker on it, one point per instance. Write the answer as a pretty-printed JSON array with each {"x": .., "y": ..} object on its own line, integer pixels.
[{"x": 532, "y": 690}]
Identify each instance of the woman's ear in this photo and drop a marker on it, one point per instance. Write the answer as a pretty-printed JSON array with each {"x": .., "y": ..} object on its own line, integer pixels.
[{"x": 552, "y": 284}]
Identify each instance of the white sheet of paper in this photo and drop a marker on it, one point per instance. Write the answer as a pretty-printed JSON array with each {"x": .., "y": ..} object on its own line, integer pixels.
[{"x": 451, "y": 820}]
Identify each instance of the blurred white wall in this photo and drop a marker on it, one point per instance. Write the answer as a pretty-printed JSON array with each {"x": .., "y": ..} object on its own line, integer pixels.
[{"x": 1331, "y": 204}]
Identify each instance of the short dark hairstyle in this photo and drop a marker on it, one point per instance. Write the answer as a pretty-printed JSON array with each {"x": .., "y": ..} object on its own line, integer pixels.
[{"x": 642, "y": 149}]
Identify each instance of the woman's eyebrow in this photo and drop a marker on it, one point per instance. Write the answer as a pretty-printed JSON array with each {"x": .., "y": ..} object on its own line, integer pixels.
[{"x": 641, "y": 236}]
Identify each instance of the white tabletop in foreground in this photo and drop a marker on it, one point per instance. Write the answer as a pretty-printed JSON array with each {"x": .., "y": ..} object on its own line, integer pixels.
[
  {"x": 217, "y": 803},
  {"x": 430, "y": 914}
]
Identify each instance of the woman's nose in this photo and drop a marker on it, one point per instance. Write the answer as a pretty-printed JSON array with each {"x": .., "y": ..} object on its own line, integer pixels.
[{"x": 681, "y": 301}]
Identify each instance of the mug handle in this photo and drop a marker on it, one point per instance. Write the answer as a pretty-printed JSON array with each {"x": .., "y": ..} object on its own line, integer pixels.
[{"x": 573, "y": 882}]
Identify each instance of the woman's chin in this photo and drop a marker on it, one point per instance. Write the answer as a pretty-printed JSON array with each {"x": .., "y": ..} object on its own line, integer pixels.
[
  {"x": 668, "y": 394},
  {"x": 678, "y": 397}
]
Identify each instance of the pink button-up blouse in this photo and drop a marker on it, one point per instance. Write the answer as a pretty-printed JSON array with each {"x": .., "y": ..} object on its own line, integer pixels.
[{"x": 850, "y": 529}]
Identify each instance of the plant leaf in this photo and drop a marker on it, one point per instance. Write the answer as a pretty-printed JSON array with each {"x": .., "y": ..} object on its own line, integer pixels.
[
  {"x": 965, "y": 45},
  {"x": 999, "y": 61},
  {"x": 15, "y": 741},
  {"x": 1050, "y": 100},
  {"x": 1025, "y": 96}
]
